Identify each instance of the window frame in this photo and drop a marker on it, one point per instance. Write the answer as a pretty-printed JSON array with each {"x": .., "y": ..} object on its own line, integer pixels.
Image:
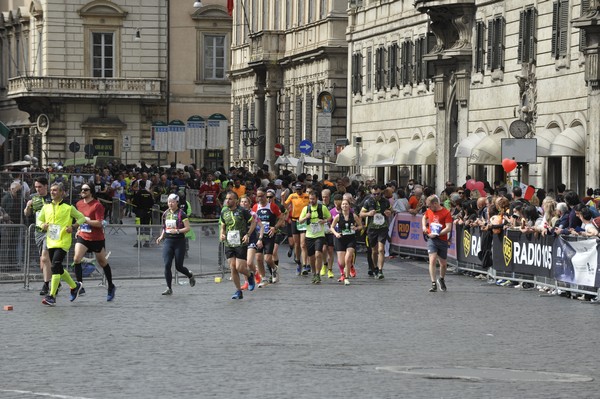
[
  {"x": 527, "y": 49},
  {"x": 103, "y": 56},
  {"x": 495, "y": 44},
  {"x": 560, "y": 29}
]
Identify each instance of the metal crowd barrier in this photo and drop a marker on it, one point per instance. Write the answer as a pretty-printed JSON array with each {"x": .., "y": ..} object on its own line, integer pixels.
[{"x": 134, "y": 253}]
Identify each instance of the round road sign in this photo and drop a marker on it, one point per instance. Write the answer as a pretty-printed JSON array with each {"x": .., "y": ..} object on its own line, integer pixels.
[
  {"x": 279, "y": 150},
  {"x": 74, "y": 146}
]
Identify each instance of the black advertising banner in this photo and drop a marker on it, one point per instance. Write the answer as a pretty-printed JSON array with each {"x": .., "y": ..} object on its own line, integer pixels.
[
  {"x": 514, "y": 252},
  {"x": 468, "y": 244}
]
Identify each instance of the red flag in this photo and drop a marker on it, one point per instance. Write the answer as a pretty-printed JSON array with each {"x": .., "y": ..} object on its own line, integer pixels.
[{"x": 230, "y": 7}]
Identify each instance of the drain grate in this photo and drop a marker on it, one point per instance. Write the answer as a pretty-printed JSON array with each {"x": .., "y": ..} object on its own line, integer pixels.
[{"x": 483, "y": 373}]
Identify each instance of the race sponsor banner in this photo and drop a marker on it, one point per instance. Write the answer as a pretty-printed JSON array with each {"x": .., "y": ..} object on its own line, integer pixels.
[
  {"x": 576, "y": 262},
  {"x": 514, "y": 252},
  {"x": 408, "y": 233},
  {"x": 468, "y": 244}
]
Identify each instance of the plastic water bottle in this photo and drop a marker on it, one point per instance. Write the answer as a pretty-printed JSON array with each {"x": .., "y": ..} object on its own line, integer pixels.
[{"x": 104, "y": 224}]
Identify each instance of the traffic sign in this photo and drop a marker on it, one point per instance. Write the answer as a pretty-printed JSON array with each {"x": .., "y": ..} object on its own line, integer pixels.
[
  {"x": 74, "y": 146},
  {"x": 279, "y": 150},
  {"x": 306, "y": 147}
]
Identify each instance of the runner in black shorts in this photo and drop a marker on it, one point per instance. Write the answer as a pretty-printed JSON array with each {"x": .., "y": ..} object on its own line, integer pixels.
[
  {"x": 272, "y": 218},
  {"x": 377, "y": 211},
  {"x": 344, "y": 226}
]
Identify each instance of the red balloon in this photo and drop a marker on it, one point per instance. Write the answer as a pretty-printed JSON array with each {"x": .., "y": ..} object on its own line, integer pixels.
[
  {"x": 470, "y": 184},
  {"x": 478, "y": 186},
  {"x": 509, "y": 165}
]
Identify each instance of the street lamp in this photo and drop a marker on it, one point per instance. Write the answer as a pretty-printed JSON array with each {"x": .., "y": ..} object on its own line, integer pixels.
[
  {"x": 250, "y": 136},
  {"x": 197, "y": 4}
]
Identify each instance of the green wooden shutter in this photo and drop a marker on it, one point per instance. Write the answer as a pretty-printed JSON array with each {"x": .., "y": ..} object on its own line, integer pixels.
[
  {"x": 564, "y": 27},
  {"x": 490, "y": 46}
]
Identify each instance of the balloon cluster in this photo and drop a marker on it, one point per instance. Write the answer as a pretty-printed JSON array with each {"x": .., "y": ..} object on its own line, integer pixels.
[
  {"x": 509, "y": 165},
  {"x": 472, "y": 184}
]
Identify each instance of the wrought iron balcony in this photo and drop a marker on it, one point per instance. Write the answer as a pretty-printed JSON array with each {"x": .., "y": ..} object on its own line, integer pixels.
[{"x": 70, "y": 87}]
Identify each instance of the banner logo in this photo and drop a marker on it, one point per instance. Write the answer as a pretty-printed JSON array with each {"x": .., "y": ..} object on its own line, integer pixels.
[
  {"x": 507, "y": 249},
  {"x": 467, "y": 242},
  {"x": 403, "y": 229}
]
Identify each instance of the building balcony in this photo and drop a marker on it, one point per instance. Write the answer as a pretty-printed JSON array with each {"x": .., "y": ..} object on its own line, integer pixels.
[
  {"x": 85, "y": 88},
  {"x": 423, "y": 5},
  {"x": 266, "y": 46}
]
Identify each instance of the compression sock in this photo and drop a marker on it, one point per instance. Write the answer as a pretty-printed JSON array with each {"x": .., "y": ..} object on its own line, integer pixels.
[
  {"x": 108, "y": 274},
  {"x": 78, "y": 271},
  {"x": 66, "y": 278},
  {"x": 54, "y": 284}
]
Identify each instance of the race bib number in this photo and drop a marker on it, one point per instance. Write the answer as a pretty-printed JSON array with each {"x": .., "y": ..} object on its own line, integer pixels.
[
  {"x": 301, "y": 226},
  {"x": 347, "y": 232},
  {"x": 98, "y": 188},
  {"x": 378, "y": 219},
  {"x": 85, "y": 228},
  {"x": 316, "y": 228},
  {"x": 164, "y": 198},
  {"x": 267, "y": 226},
  {"x": 233, "y": 237},
  {"x": 171, "y": 225},
  {"x": 54, "y": 231},
  {"x": 209, "y": 199},
  {"x": 435, "y": 228}
]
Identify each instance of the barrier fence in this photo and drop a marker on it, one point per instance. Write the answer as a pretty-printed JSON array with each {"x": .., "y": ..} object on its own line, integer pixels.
[
  {"x": 569, "y": 263},
  {"x": 132, "y": 247}
]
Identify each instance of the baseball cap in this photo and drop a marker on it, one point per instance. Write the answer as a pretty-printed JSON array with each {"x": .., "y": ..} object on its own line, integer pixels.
[
  {"x": 278, "y": 182},
  {"x": 298, "y": 186},
  {"x": 174, "y": 197},
  {"x": 271, "y": 191}
]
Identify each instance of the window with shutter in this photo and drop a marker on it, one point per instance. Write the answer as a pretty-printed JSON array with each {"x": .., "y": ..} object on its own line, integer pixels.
[
  {"x": 527, "y": 36},
  {"x": 406, "y": 62},
  {"x": 499, "y": 43},
  {"x": 393, "y": 65},
  {"x": 369, "y": 70},
  {"x": 490, "y": 45},
  {"x": 585, "y": 6},
  {"x": 560, "y": 29},
  {"x": 479, "y": 46}
]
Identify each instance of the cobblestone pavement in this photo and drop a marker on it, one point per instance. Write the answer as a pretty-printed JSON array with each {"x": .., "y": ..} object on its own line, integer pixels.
[{"x": 295, "y": 340}]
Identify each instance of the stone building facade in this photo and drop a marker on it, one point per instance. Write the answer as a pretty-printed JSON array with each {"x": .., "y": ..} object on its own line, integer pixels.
[
  {"x": 288, "y": 76},
  {"x": 436, "y": 85},
  {"x": 102, "y": 72}
]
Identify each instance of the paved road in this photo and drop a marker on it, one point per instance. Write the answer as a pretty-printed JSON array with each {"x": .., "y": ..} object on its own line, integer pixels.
[{"x": 296, "y": 340}]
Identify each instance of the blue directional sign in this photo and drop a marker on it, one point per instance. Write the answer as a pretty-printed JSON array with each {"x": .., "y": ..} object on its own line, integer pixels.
[{"x": 306, "y": 147}]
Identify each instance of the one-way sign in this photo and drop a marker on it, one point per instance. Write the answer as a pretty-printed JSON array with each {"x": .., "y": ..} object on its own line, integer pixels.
[{"x": 306, "y": 147}]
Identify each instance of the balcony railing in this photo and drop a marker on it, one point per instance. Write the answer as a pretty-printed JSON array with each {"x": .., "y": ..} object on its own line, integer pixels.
[{"x": 53, "y": 86}]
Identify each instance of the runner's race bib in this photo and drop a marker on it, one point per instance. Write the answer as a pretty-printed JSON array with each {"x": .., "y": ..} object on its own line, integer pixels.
[
  {"x": 378, "y": 219},
  {"x": 85, "y": 228},
  {"x": 164, "y": 198},
  {"x": 233, "y": 237},
  {"x": 171, "y": 225},
  {"x": 301, "y": 226},
  {"x": 316, "y": 228},
  {"x": 54, "y": 231}
]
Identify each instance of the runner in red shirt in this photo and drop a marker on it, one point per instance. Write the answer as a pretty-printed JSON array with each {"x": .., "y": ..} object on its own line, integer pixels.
[
  {"x": 209, "y": 194},
  {"x": 90, "y": 237},
  {"x": 437, "y": 224}
]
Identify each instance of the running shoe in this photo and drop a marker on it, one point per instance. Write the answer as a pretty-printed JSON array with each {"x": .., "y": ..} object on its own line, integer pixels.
[
  {"x": 275, "y": 276},
  {"x": 245, "y": 286},
  {"x": 352, "y": 271},
  {"x": 370, "y": 273},
  {"x": 317, "y": 279},
  {"x": 262, "y": 284},
  {"x": 290, "y": 252},
  {"x": 192, "y": 280},
  {"x": 433, "y": 287},
  {"x": 442, "y": 284},
  {"x": 45, "y": 290},
  {"x": 251, "y": 282},
  {"x": 323, "y": 270},
  {"x": 330, "y": 274},
  {"x": 49, "y": 300},
  {"x": 75, "y": 291},
  {"x": 314, "y": 279},
  {"x": 347, "y": 281},
  {"x": 238, "y": 295},
  {"x": 82, "y": 290},
  {"x": 380, "y": 275},
  {"x": 111, "y": 293},
  {"x": 257, "y": 278},
  {"x": 341, "y": 279},
  {"x": 168, "y": 291},
  {"x": 306, "y": 270},
  {"x": 298, "y": 270}
]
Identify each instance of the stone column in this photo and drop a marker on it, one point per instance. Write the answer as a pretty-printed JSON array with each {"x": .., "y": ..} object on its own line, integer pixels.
[
  {"x": 463, "y": 80},
  {"x": 442, "y": 137},
  {"x": 271, "y": 128},
  {"x": 259, "y": 123}
]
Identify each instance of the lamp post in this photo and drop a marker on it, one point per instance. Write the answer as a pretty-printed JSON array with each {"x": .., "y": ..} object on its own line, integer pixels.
[{"x": 251, "y": 136}]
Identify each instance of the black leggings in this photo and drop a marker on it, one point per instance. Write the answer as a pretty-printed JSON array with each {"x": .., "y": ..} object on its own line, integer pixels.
[
  {"x": 57, "y": 255},
  {"x": 174, "y": 248}
]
